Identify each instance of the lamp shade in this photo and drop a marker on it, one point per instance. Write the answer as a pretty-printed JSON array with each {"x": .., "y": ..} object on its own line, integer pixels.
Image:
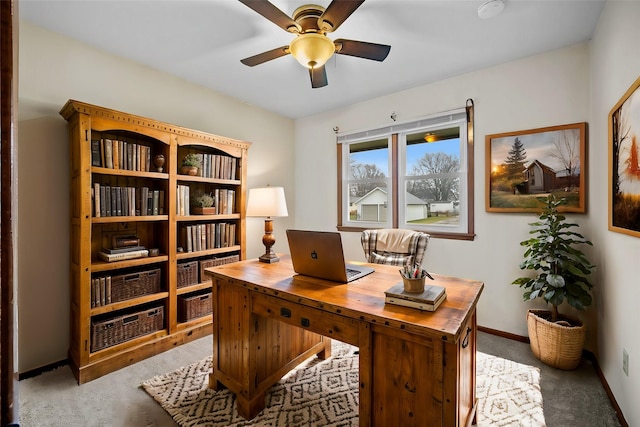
[
  {"x": 312, "y": 50},
  {"x": 267, "y": 202}
]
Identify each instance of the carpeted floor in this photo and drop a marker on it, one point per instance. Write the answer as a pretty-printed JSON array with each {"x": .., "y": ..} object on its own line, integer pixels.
[
  {"x": 325, "y": 393},
  {"x": 570, "y": 398}
]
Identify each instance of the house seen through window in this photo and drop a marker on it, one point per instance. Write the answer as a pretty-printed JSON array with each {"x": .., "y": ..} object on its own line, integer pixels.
[{"x": 413, "y": 176}]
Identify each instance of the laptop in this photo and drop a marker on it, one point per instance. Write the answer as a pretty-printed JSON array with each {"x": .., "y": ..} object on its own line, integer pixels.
[{"x": 319, "y": 254}]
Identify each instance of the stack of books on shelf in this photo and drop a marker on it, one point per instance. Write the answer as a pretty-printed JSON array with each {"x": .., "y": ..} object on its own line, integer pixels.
[
  {"x": 217, "y": 166},
  {"x": 224, "y": 200},
  {"x": 182, "y": 200},
  {"x": 428, "y": 300},
  {"x": 123, "y": 247},
  {"x": 126, "y": 201},
  {"x": 100, "y": 291},
  {"x": 200, "y": 237},
  {"x": 116, "y": 154}
]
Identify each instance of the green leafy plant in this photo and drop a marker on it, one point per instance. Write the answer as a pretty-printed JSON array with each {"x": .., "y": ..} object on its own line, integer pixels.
[
  {"x": 191, "y": 160},
  {"x": 202, "y": 200},
  {"x": 562, "y": 269}
]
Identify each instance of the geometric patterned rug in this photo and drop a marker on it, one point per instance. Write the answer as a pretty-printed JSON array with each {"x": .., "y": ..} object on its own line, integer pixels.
[{"x": 325, "y": 393}]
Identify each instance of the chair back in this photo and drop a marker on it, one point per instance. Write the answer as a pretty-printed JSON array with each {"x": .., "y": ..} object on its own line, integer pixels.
[{"x": 394, "y": 246}]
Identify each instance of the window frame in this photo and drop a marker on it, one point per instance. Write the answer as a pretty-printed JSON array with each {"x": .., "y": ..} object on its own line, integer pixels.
[{"x": 396, "y": 134}]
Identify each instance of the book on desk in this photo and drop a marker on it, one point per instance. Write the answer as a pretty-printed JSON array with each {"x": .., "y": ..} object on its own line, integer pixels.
[{"x": 428, "y": 300}]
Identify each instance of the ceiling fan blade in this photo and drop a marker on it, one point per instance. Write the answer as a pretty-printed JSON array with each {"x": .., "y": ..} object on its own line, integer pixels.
[
  {"x": 273, "y": 14},
  {"x": 337, "y": 12},
  {"x": 318, "y": 77},
  {"x": 258, "y": 59},
  {"x": 366, "y": 50}
]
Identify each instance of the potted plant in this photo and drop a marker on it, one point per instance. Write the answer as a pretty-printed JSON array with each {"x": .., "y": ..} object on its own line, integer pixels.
[
  {"x": 562, "y": 272},
  {"x": 190, "y": 164},
  {"x": 202, "y": 203}
]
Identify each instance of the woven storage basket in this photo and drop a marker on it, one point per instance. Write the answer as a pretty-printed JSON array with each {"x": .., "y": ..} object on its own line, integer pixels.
[
  {"x": 194, "y": 305},
  {"x": 206, "y": 263},
  {"x": 555, "y": 345},
  {"x": 109, "y": 332},
  {"x": 187, "y": 274},
  {"x": 132, "y": 285}
]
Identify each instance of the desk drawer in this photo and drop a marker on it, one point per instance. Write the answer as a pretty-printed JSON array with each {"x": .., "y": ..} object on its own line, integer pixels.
[{"x": 315, "y": 320}]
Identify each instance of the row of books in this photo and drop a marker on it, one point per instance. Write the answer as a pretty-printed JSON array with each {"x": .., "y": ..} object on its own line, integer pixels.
[
  {"x": 126, "y": 201},
  {"x": 116, "y": 154},
  {"x": 224, "y": 200},
  {"x": 182, "y": 200},
  {"x": 428, "y": 300},
  {"x": 217, "y": 166},
  {"x": 100, "y": 291},
  {"x": 200, "y": 237},
  {"x": 110, "y": 289}
]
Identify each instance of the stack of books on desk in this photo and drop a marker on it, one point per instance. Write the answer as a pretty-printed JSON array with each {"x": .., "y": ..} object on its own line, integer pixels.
[{"x": 428, "y": 300}]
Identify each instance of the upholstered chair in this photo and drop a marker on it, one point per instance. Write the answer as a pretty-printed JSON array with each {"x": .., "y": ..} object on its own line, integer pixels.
[{"x": 394, "y": 246}]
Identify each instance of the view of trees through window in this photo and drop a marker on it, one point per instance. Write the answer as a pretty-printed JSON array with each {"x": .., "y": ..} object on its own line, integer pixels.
[{"x": 431, "y": 178}]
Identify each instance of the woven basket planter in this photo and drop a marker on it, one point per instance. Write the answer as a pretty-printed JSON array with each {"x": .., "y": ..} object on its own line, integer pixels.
[{"x": 555, "y": 344}]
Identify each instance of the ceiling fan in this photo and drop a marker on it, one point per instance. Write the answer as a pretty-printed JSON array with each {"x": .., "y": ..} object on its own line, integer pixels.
[{"x": 311, "y": 47}]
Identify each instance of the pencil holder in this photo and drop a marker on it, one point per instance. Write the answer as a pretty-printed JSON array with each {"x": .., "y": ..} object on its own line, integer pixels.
[{"x": 413, "y": 286}]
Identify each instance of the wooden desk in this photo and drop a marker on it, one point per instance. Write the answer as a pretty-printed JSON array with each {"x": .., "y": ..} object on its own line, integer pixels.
[{"x": 416, "y": 368}]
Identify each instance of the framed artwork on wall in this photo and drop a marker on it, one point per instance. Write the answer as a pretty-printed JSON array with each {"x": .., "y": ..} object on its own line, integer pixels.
[
  {"x": 624, "y": 163},
  {"x": 524, "y": 166}
]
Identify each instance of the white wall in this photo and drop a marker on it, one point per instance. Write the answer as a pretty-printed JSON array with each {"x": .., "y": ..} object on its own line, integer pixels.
[
  {"x": 615, "y": 65},
  {"x": 545, "y": 90},
  {"x": 54, "y": 69}
]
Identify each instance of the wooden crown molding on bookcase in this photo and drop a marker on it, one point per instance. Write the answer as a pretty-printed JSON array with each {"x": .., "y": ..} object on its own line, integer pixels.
[{"x": 131, "y": 119}]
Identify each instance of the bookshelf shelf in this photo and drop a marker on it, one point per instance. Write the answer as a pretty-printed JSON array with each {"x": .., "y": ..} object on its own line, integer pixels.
[
  {"x": 217, "y": 251},
  {"x": 207, "y": 217},
  {"x": 193, "y": 288},
  {"x": 122, "y": 172},
  {"x": 188, "y": 178},
  {"x": 99, "y": 266},
  {"x": 129, "y": 303},
  {"x": 120, "y": 202},
  {"x": 112, "y": 219}
]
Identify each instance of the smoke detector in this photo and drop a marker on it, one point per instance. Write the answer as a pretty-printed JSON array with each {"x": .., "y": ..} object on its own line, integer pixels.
[{"x": 490, "y": 8}]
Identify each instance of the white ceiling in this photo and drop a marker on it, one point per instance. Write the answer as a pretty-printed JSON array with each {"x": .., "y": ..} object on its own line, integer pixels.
[{"x": 202, "y": 41}]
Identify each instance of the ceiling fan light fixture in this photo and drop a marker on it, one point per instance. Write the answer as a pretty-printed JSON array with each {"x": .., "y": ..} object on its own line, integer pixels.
[
  {"x": 312, "y": 50},
  {"x": 490, "y": 8},
  {"x": 430, "y": 137}
]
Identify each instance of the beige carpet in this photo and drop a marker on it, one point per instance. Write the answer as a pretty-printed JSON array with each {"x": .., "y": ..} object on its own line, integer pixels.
[{"x": 325, "y": 393}]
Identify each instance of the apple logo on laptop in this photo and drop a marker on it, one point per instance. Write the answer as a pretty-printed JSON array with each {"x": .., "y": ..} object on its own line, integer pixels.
[{"x": 314, "y": 255}]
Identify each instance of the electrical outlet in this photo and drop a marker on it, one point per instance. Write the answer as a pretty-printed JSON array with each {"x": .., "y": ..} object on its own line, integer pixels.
[{"x": 625, "y": 362}]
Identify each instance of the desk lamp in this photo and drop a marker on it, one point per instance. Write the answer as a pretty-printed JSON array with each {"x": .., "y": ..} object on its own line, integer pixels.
[{"x": 267, "y": 202}]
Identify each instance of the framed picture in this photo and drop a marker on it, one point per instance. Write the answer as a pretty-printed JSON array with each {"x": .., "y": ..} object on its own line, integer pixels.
[
  {"x": 523, "y": 167},
  {"x": 624, "y": 163}
]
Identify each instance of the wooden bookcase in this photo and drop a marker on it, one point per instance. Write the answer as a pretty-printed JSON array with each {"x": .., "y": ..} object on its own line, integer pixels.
[{"x": 127, "y": 310}]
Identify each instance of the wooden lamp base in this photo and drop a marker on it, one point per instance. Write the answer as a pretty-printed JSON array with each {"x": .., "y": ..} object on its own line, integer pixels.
[{"x": 268, "y": 241}]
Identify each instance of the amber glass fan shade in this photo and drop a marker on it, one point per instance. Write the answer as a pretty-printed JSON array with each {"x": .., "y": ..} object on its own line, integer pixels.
[{"x": 312, "y": 50}]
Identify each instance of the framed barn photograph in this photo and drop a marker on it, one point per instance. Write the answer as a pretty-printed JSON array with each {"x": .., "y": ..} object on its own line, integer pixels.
[
  {"x": 624, "y": 163},
  {"x": 525, "y": 166}
]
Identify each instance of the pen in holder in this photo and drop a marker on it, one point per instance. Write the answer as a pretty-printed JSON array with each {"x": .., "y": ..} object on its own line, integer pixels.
[{"x": 413, "y": 278}]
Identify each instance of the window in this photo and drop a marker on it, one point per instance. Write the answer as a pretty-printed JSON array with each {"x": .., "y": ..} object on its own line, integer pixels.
[{"x": 416, "y": 175}]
